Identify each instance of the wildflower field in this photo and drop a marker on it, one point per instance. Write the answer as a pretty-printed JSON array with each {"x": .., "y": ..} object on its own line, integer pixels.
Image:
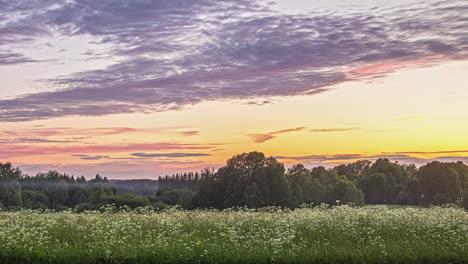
[{"x": 310, "y": 235}]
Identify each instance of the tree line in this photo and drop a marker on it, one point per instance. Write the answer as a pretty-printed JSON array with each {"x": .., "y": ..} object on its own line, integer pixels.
[{"x": 248, "y": 180}]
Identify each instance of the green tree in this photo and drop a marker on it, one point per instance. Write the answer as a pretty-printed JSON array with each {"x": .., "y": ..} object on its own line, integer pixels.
[
  {"x": 10, "y": 189},
  {"x": 377, "y": 188},
  {"x": 439, "y": 183},
  {"x": 346, "y": 191},
  {"x": 315, "y": 193},
  {"x": 235, "y": 182},
  {"x": 186, "y": 200},
  {"x": 210, "y": 192},
  {"x": 300, "y": 180},
  {"x": 34, "y": 200},
  {"x": 465, "y": 199}
]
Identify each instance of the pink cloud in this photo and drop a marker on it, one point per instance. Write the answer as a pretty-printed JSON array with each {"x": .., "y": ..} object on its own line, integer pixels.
[
  {"x": 8, "y": 152},
  {"x": 86, "y": 133},
  {"x": 342, "y": 129},
  {"x": 261, "y": 138},
  {"x": 384, "y": 68}
]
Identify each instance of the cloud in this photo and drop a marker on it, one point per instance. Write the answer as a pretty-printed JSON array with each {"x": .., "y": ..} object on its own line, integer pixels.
[
  {"x": 403, "y": 157},
  {"x": 189, "y": 133},
  {"x": 343, "y": 129},
  {"x": 409, "y": 118},
  {"x": 261, "y": 138},
  {"x": 174, "y": 54},
  {"x": 99, "y": 157},
  {"x": 41, "y": 140},
  {"x": 11, "y": 58},
  {"x": 15, "y": 151},
  {"x": 322, "y": 158},
  {"x": 169, "y": 155},
  {"x": 86, "y": 133},
  {"x": 33, "y": 141},
  {"x": 434, "y": 152},
  {"x": 94, "y": 157}
]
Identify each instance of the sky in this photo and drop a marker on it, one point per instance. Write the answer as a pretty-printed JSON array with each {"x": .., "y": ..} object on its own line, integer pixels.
[{"x": 140, "y": 88}]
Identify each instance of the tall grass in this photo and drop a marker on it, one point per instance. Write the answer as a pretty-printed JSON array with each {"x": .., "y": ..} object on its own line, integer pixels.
[{"x": 319, "y": 235}]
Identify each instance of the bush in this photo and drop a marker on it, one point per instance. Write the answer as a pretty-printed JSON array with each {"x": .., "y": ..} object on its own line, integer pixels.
[
  {"x": 13, "y": 208},
  {"x": 465, "y": 199},
  {"x": 34, "y": 200},
  {"x": 171, "y": 197},
  {"x": 126, "y": 199},
  {"x": 440, "y": 199},
  {"x": 406, "y": 198},
  {"x": 160, "y": 205},
  {"x": 61, "y": 208},
  {"x": 185, "y": 200},
  {"x": 87, "y": 207}
]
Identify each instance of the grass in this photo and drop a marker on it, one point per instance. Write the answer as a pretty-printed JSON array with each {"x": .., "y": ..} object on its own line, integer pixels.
[{"x": 319, "y": 235}]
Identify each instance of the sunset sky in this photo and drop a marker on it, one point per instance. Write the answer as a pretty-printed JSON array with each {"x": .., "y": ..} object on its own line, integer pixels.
[{"x": 141, "y": 88}]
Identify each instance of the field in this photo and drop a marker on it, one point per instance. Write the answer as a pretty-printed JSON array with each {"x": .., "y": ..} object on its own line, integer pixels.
[{"x": 309, "y": 235}]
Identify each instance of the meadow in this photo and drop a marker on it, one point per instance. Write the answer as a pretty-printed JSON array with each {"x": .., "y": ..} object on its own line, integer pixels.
[{"x": 341, "y": 234}]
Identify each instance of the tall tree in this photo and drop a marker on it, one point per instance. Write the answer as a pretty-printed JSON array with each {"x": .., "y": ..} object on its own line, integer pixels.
[{"x": 439, "y": 183}]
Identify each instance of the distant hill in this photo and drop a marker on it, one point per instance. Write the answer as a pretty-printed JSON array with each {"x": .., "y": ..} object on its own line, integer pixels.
[{"x": 138, "y": 187}]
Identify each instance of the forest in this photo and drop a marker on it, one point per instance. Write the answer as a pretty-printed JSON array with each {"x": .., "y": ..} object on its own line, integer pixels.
[{"x": 250, "y": 180}]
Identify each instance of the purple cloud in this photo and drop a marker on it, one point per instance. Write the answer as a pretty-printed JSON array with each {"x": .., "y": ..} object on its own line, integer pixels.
[
  {"x": 174, "y": 54},
  {"x": 11, "y": 58},
  {"x": 94, "y": 157}
]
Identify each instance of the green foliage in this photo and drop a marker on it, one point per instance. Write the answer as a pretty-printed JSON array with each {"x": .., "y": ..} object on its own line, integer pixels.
[
  {"x": 185, "y": 200},
  {"x": 34, "y": 200},
  {"x": 82, "y": 207},
  {"x": 465, "y": 199},
  {"x": 346, "y": 192},
  {"x": 305, "y": 188},
  {"x": 126, "y": 199},
  {"x": 159, "y": 206},
  {"x": 171, "y": 197},
  {"x": 406, "y": 198},
  {"x": 61, "y": 208},
  {"x": 378, "y": 188},
  {"x": 439, "y": 183},
  {"x": 10, "y": 189},
  {"x": 248, "y": 180}
]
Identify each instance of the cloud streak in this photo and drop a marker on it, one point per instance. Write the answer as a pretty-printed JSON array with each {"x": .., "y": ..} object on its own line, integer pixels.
[
  {"x": 86, "y": 133},
  {"x": 12, "y": 58},
  {"x": 169, "y": 155},
  {"x": 404, "y": 157},
  {"x": 261, "y": 138},
  {"x": 15, "y": 151},
  {"x": 173, "y": 54},
  {"x": 342, "y": 129},
  {"x": 409, "y": 118}
]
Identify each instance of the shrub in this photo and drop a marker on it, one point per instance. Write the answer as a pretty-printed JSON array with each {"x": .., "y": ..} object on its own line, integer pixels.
[
  {"x": 159, "y": 206},
  {"x": 465, "y": 199},
  {"x": 61, "y": 208},
  {"x": 87, "y": 207}
]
